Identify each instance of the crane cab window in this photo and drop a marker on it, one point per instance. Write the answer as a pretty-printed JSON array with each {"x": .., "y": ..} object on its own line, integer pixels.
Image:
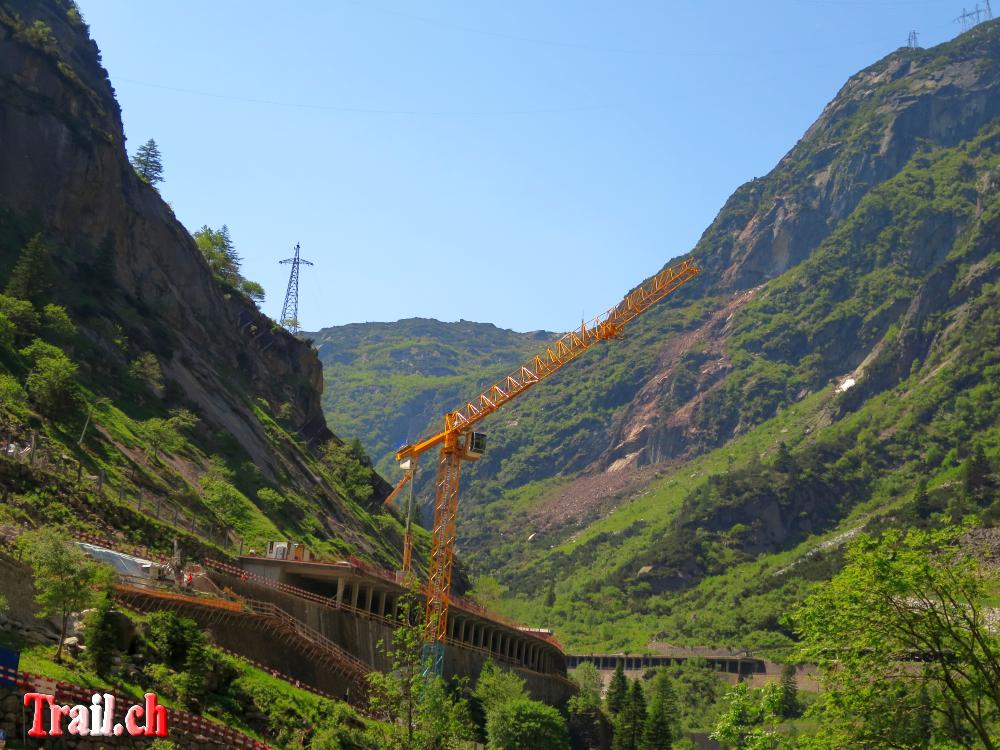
[{"x": 477, "y": 443}]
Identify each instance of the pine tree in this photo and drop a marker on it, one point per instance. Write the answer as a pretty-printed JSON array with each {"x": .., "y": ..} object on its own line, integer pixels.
[
  {"x": 975, "y": 475},
  {"x": 784, "y": 462},
  {"x": 550, "y": 594},
  {"x": 789, "y": 692},
  {"x": 631, "y": 720},
  {"x": 921, "y": 502},
  {"x": 617, "y": 691},
  {"x": 31, "y": 278},
  {"x": 662, "y": 723},
  {"x": 148, "y": 163}
]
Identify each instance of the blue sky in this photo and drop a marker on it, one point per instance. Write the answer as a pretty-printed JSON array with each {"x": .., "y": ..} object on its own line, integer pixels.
[{"x": 520, "y": 163}]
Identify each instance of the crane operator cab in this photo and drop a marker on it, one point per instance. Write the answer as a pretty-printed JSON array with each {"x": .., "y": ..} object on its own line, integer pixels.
[{"x": 475, "y": 445}]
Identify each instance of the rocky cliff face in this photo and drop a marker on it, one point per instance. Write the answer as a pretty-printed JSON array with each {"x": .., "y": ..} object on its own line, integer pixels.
[
  {"x": 909, "y": 102},
  {"x": 64, "y": 168}
]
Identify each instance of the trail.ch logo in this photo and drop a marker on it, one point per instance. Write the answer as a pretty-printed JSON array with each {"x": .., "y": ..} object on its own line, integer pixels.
[{"x": 96, "y": 719}]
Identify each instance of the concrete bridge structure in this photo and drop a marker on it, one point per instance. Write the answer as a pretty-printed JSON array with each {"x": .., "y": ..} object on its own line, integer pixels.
[
  {"x": 742, "y": 665},
  {"x": 355, "y": 605}
]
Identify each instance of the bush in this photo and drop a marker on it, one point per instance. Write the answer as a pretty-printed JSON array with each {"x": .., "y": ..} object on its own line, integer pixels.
[
  {"x": 270, "y": 500},
  {"x": 38, "y": 35},
  {"x": 21, "y": 313},
  {"x": 524, "y": 724},
  {"x": 51, "y": 382},
  {"x": 13, "y": 399},
  {"x": 146, "y": 369},
  {"x": 171, "y": 637},
  {"x": 57, "y": 323}
]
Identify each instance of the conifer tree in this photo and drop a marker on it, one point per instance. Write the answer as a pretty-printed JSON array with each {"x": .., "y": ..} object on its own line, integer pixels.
[
  {"x": 975, "y": 475},
  {"x": 631, "y": 720},
  {"x": 656, "y": 734},
  {"x": 617, "y": 691},
  {"x": 31, "y": 278},
  {"x": 789, "y": 692},
  {"x": 784, "y": 462},
  {"x": 148, "y": 162},
  {"x": 921, "y": 502},
  {"x": 662, "y": 722}
]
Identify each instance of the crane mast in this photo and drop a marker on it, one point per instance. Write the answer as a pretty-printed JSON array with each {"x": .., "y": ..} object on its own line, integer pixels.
[{"x": 458, "y": 442}]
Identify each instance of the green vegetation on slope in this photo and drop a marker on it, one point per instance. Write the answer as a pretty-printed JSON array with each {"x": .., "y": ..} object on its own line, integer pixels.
[
  {"x": 388, "y": 383},
  {"x": 715, "y": 531}
]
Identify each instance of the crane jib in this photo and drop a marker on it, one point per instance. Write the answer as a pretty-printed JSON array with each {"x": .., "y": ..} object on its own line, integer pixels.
[
  {"x": 567, "y": 348},
  {"x": 458, "y": 442}
]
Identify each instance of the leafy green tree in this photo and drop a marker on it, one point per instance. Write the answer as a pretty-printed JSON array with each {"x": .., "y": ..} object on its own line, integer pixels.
[
  {"x": 416, "y": 710},
  {"x": 217, "y": 247},
  {"x": 350, "y": 473},
  {"x": 13, "y": 399},
  {"x": 21, "y": 313},
  {"x": 148, "y": 163},
  {"x": 617, "y": 691},
  {"x": 164, "y": 435},
  {"x": 57, "y": 323},
  {"x": 631, "y": 720},
  {"x": 31, "y": 278},
  {"x": 742, "y": 725},
  {"x": 905, "y": 595},
  {"x": 146, "y": 369},
  {"x": 486, "y": 591},
  {"x": 698, "y": 690},
  {"x": 65, "y": 579},
  {"x": 272, "y": 501},
  {"x": 588, "y": 680},
  {"x": 52, "y": 380},
  {"x": 220, "y": 253},
  {"x": 253, "y": 290},
  {"x": 524, "y": 724},
  {"x": 496, "y": 686}
]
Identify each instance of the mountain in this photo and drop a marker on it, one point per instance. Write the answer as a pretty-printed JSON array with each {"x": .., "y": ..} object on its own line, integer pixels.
[
  {"x": 390, "y": 382},
  {"x": 124, "y": 353},
  {"x": 839, "y": 348}
]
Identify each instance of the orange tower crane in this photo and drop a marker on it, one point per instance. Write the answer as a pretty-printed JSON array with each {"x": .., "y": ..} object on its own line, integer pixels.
[{"x": 458, "y": 442}]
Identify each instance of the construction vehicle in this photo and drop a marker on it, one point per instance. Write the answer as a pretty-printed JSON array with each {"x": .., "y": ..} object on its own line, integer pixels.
[{"x": 458, "y": 441}]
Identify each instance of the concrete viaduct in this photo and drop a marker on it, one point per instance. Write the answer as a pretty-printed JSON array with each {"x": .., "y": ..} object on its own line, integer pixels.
[
  {"x": 735, "y": 664},
  {"x": 355, "y": 605}
]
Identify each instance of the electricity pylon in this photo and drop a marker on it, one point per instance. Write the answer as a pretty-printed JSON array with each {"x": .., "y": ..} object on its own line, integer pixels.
[{"x": 290, "y": 310}]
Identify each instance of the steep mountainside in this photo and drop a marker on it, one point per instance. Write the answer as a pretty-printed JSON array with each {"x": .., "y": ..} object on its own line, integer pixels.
[
  {"x": 389, "y": 382},
  {"x": 866, "y": 259},
  {"x": 149, "y": 330}
]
